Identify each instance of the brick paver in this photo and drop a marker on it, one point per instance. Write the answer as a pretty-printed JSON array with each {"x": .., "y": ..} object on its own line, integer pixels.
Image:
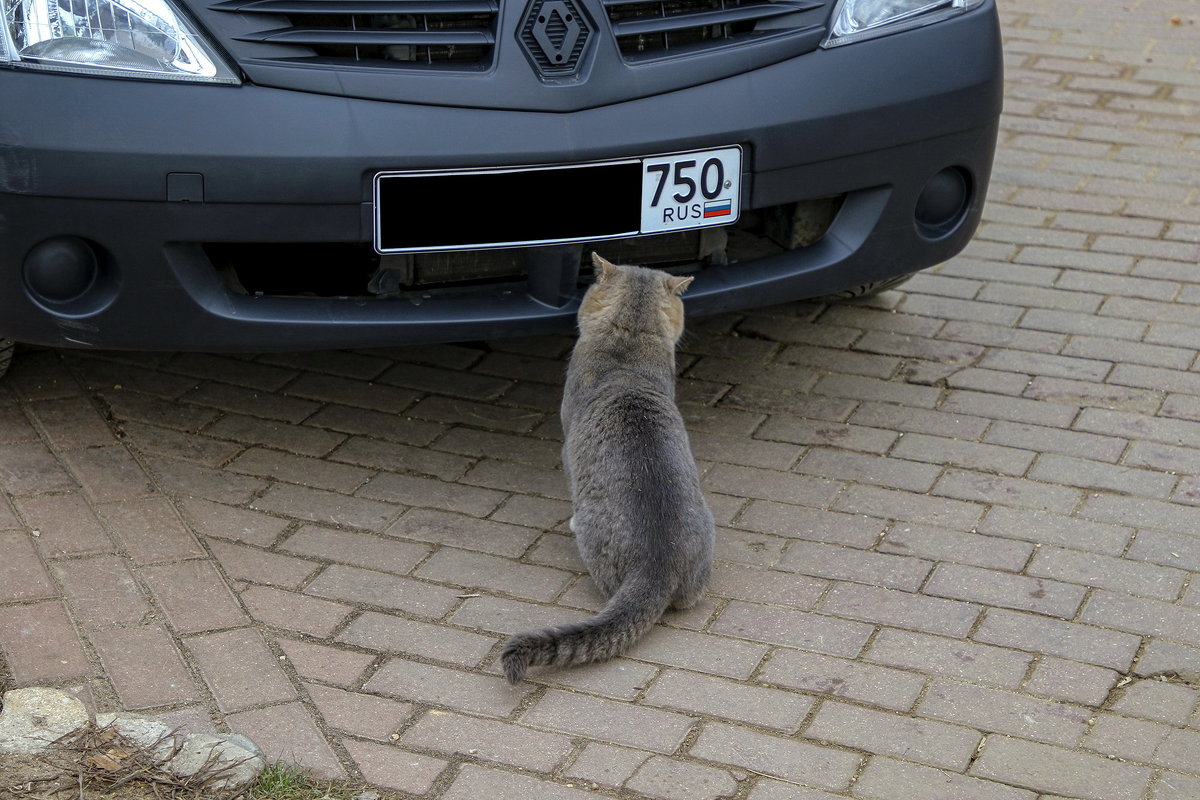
[{"x": 959, "y": 545}]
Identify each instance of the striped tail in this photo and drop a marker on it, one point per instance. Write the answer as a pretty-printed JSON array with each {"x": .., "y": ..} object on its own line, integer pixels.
[{"x": 630, "y": 612}]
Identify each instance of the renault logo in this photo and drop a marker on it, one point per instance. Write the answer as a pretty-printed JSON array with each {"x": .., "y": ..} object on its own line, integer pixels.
[{"x": 554, "y": 34}]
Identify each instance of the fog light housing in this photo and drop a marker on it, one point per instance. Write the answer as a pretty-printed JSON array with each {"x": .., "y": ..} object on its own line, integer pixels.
[
  {"x": 943, "y": 203},
  {"x": 70, "y": 277},
  {"x": 61, "y": 270}
]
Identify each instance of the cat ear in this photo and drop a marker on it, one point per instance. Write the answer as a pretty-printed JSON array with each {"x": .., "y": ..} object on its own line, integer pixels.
[
  {"x": 606, "y": 268},
  {"x": 678, "y": 285}
]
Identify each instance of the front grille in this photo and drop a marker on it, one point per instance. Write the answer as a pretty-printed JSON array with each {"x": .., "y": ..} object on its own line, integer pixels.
[
  {"x": 426, "y": 34},
  {"x": 461, "y": 52},
  {"x": 650, "y": 29}
]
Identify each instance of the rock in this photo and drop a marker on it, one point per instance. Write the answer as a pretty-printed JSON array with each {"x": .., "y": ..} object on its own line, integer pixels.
[
  {"x": 236, "y": 758},
  {"x": 34, "y": 718},
  {"x": 156, "y": 738},
  {"x": 207, "y": 753},
  {"x": 242, "y": 741}
]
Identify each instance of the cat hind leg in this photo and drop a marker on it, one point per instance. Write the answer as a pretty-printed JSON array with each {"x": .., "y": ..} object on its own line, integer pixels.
[{"x": 691, "y": 589}]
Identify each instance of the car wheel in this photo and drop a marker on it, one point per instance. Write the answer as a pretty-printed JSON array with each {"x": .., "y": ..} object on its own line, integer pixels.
[{"x": 6, "y": 354}]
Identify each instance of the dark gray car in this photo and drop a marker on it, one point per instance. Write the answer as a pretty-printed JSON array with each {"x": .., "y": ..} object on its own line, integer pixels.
[{"x": 288, "y": 174}]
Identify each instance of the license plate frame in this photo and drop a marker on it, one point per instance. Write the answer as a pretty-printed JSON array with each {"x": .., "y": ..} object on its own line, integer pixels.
[{"x": 430, "y": 211}]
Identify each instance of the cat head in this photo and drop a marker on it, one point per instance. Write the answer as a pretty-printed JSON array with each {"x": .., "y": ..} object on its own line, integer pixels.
[{"x": 645, "y": 301}]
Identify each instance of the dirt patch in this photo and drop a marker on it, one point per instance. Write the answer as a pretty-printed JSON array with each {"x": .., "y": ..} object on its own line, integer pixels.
[
  {"x": 60, "y": 778},
  {"x": 95, "y": 764}
]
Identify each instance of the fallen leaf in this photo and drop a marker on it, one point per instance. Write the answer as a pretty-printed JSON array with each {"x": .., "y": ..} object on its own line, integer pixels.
[{"x": 101, "y": 761}]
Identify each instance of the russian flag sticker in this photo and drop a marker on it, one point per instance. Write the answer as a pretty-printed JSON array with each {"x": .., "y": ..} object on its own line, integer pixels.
[{"x": 717, "y": 208}]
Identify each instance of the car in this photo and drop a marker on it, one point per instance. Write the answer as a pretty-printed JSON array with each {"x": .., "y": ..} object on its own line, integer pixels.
[{"x": 254, "y": 175}]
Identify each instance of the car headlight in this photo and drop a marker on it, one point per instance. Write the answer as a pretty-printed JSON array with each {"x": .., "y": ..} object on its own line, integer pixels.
[
  {"x": 855, "y": 20},
  {"x": 128, "y": 38}
]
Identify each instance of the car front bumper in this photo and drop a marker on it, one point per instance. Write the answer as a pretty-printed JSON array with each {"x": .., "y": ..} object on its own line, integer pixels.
[{"x": 147, "y": 174}]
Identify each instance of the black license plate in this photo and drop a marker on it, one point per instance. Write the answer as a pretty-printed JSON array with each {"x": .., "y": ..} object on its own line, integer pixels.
[{"x": 476, "y": 209}]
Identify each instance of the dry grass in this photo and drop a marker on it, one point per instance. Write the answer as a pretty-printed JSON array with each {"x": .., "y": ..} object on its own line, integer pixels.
[{"x": 101, "y": 764}]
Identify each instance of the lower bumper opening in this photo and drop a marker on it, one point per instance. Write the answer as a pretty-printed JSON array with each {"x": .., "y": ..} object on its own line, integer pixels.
[{"x": 355, "y": 270}]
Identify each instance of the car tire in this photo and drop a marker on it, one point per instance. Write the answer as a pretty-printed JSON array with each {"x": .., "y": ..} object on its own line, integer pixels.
[
  {"x": 6, "y": 354},
  {"x": 869, "y": 289}
]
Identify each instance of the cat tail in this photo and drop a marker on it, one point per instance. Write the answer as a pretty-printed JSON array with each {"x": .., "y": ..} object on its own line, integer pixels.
[{"x": 631, "y": 611}]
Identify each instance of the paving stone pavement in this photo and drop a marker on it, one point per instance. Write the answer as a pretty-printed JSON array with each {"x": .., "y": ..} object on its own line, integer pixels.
[{"x": 959, "y": 523}]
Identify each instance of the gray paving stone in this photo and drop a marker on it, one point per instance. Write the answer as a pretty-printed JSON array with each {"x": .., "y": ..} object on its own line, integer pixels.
[
  {"x": 941, "y": 544},
  {"x": 900, "y": 609},
  {"x": 794, "y": 628},
  {"x": 715, "y": 655},
  {"x": 790, "y": 759},
  {"x": 855, "y": 530},
  {"x": 605, "y": 764},
  {"x": 893, "y": 504},
  {"x": 1118, "y": 574},
  {"x": 1046, "y": 768},
  {"x": 889, "y": 779},
  {"x": 491, "y": 740},
  {"x": 923, "y": 741},
  {"x": 609, "y": 721},
  {"x": 351, "y": 584},
  {"x": 829, "y": 561},
  {"x": 991, "y": 587},
  {"x": 1144, "y": 616},
  {"x": 1072, "y": 681},
  {"x": 681, "y": 780},
  {"x": 991, "y": 489},
  {"x": 817, "y": 674},
  {"x": 455, "y": 689},
  {"x": 1043, "y": 527},
  {"x": 1158, "y": 700},
  {"x": 388, "y": 633},
  {"x": 1070, "y": 640},
  {"x": 995, "y": 711},
  {"x": 954, "y": 658},
  {"x": 757, "y": 705},
  {"x": 474, "y": 782}
]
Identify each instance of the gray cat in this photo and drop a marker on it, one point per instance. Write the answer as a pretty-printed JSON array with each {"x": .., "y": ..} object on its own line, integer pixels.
[{"x": 641, "y": 523}]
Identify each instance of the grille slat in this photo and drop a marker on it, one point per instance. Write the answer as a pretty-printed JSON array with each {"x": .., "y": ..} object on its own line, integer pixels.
[
  {"x": 394, "y": 34},
  {"x": 318, "y": 37},
  {"x": 359, "y": 7},
  {"x": 653, "y": 29},
  {"x": 725, "y": 16}
]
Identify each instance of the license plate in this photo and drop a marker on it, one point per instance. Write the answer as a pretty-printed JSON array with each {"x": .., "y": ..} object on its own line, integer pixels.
[
  {"x": 432, "y": 211},
  {"x": 691, "y": 190}
]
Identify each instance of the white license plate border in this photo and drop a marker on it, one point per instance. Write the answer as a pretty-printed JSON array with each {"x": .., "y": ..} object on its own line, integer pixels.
[{"x": 380, "y": 175}]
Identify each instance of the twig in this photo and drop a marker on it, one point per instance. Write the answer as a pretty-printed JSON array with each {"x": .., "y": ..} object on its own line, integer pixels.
[{"x": 775, "y": 777}]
